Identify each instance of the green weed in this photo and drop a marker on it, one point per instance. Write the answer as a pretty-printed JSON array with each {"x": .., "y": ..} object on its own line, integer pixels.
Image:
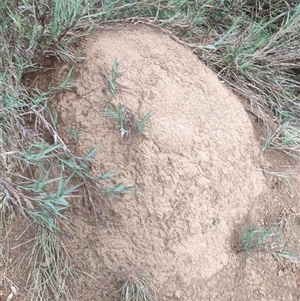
[
  {"x": 127, "y": 122},
  {"x": 112, "y": 78},
  {"x": 265, "y": 240},
  {"x": 143, "y": 123},
  {"x": 74, "y": 134}
]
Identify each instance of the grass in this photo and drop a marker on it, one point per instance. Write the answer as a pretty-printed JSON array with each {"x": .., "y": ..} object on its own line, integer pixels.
[
  {"x": 50, "y": 268},
  {"x": 265, "y": 240},
  {"x": 112, "y": 78},
  {"x": 128, "y": 124},
  {"x": 75, "y": 135},
  {"x": 251, "y": 45},
  {"x": 137, "y": 288},
  {"x": 287, "y": 177}
]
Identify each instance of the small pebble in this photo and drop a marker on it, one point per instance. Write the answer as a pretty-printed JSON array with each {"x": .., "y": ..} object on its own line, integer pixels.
[{"x": 280, "y": 273}]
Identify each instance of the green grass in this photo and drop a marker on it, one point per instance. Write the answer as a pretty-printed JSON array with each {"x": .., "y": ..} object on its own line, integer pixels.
[
  {"x": 252, "y": 46},
  {"x": 112, "y": 78},
  {"x": 75, "y": 135},
  {"x": 128, "y": 124},
  {"x": 265, "y": 240}
]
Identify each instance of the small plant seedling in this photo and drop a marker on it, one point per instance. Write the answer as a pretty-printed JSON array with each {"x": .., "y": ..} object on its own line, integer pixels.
[
  {"x": 112, "y": 79},
  {"x": 127, "y": 122},
  {"x": 142, "y": 124},
  {"x": 74, "y": 134}
]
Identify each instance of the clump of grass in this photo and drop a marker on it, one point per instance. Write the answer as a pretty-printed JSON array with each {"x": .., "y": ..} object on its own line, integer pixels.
[
  {"x": 50, "y": 267},
  {"x": 265, "y": 240},
  {"x": 127, "y": 122},
  {"x": 7, "y": 208},
  {"x": 137, "y": 288},
  {"x": 285, "y": 138}
]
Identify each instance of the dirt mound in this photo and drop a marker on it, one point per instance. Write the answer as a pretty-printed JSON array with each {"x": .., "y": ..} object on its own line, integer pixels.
[{"x": 194, "y": 171}]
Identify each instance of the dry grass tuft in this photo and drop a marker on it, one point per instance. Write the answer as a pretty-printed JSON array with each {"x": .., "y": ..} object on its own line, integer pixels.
[{"x": 137, "y": 287}]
